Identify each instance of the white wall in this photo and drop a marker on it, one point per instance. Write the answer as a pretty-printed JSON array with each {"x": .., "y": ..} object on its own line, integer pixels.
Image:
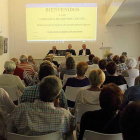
[
  {"x": 4, "y": 30},
  {"x": 121, "y": 39}
]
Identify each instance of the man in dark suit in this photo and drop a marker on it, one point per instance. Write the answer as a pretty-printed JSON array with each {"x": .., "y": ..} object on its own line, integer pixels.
[
  {"x": 54, "y": 51},
  {"x": 84, "y": 51},
  {"x": 71, "y": 51}
]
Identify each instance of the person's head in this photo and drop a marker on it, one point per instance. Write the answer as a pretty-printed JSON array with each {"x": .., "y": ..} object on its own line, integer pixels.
[
  {"x": 116, "y": 59},
  {"x": 96, "y": 60},
  {"x": 23, "y": 58},
  {"x": 49, "y": 89},
  {"x": 84, "y": 46},
  {"x": 102, "y": 64},
  {"x": 81, "y": 68},
  {"x": 131, "y": 63},
  {"x": 30, "y": 58},
  {"x": 70, "y": 63},
  {"x": 46, "y": 62},
  {"x": 51, "y": 56},
  {"x": 90, "y": 57},
  {"x": 130, "y": 121},
  {"x": 111, "y": 97},
  {"x": 96, "y": 77},
  {"x": 15, "y": 60},
  {"x": 122, "y": 59},
  {"x": 111, "y": 67},
  {"x": 69, "y": 46},
  {"x": 124, "y": 53},
  {"x": 109, "y": 55},
  {"x": 3, "y": 130},
  {"x": 46, "y": 69},
  {"x": 139, "y": 58},
  {"x": 54, "y": 48},
  {"x": 48, "y": 58},
  {"x": 10, "y": 66}
]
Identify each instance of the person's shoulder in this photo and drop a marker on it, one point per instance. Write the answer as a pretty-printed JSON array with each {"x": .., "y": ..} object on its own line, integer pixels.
[
  {"x": 63, "y": 111},
  {"x": 31, "y": 88},
  {"x": 19, "y": 69}
]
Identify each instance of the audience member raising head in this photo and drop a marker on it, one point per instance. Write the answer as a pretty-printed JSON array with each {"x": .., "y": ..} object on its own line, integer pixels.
[
  {"x": 9, "y": 79},
  {"x": 102, "y": 66},
  {"x": 122, "y": 66},
  {"x": 130, "y": 122},
  {"x": 111, "y": 67},
  {"x": 31, "y": 93},
  {"x": 90, "y": 62},
  {"x": 116, "y": 59},
  {"x": 40, "y": 111},
  {"x": 25, "y": 66},
  {"x": 91, "y": 95},
  {"x": 131, "y": 71},
  {"x": 105, "y": 120}
]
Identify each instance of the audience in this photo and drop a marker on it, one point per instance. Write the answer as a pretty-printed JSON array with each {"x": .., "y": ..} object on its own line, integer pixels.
[
  {"x": 109, "y": 57},
  {"x": 130, "y": 122},
  {"x": 105, "y": 120},
  {"x": 24, "y": 65},
  {"x": 32, "y": 63},
  {"x": 31, "y": 93},
  {"x": 131, "y": 72},
  {"x": 43, "y": 116},
  {"x": 54, "y": 62},
  {"x": 70, "y": 67},
  {"x": 95, "y": 63},
  {"x": 138, "y": 64},
  {"x": 90, "y": 57},
  {"x": 6, "y": 102},
  {"x": 8, "y": 79},
  {"x": 116, "y": 59},
  {"x": 102, "y": 66},
  {"x": 121, "y": 66},
  {"x": 137, "y": 80},
  {"x": 124, "y": 54},
  {"x": 111, "y": 67},
  {"x": 3, "y": 131},
  {"x": 91, "y": 95}
]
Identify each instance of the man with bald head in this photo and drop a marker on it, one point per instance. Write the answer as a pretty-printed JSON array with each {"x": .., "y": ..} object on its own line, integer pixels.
[
  {"x": 84, "y": 51},
  {"x": 70, "y": 50},
  {"x": 54, "y": 51}
]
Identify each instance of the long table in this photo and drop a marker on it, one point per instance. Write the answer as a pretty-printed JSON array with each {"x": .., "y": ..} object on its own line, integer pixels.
[{"x": 60, "y": 59}]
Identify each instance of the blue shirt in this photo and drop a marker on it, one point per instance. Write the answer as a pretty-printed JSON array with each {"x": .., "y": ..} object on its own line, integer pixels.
[{"x": 73, "y": 82}]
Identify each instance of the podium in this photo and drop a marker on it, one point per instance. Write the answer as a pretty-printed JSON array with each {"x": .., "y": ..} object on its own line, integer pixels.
[{"x": 105, "y": 51}]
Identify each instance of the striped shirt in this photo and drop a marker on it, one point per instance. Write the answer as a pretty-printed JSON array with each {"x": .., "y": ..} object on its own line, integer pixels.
[
  {"x": 39, "y": 118},
  {"x": 28, "y": 68}
]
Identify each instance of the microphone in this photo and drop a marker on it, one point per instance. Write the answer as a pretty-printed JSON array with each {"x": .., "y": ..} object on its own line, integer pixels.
[{"x": 102, "y": 44}]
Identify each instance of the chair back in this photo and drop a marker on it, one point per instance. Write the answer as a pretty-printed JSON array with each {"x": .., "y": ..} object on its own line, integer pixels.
[
  {"x": 123, "y": 87},
  {"x": 82, "y": 108},
  {"x": 91, "y": 135},
  {"x": 91, "y": 67},
  {"x": 13, "y": 92},
  {"x": 51, "y": 136},
  {"x": 71, "y": 92},
  {"x": 130, "y": 81},
  {"x": 65, "y": 78}
]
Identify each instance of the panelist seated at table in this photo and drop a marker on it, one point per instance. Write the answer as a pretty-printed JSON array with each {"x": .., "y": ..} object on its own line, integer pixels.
[
  {"x": 54, "y": 51},
  {"x": 84, "y": 51},
  {"x": 70, "y": 50}
]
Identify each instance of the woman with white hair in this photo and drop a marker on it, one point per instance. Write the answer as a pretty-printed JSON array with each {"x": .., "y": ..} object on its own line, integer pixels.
[
  {"x": 131, "y": 72},
  {"x": 8, "y": 79}
]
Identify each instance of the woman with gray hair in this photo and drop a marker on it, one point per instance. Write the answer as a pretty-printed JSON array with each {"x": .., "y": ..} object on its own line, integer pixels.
[
  {"x": 8, "y": 79},
  {"x": 131, "y": 72}
]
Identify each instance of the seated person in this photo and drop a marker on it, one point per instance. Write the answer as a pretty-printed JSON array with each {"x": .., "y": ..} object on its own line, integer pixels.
[
  {"x": 54, "y": 51},
  {"x": 43, "y": 116},
  {"x": 32, "y": 92},
  {"x": 116, "y": 59},
  {"x": 25, "y": 66},
  {"x": 70, "y": 67},
  {"x": 102, "y": 66},
  {"x": 95, "y": 63},
  {"x": 84, "y": 51},
  {"x": 138, "y": 64},
  {"x": 91, "y": 95},
  {"x": 3, "y": 131},
  {"x": 32, "y": 63},
  {"x": 70, "y": 50},
  {"x": 131, "y": 71},
  {"x": 8, "y": 79},
  {"x": 105, "y": 120},
  {"x": 131, "y": 94},
  {"x": 137, "y": 80},
  {"x": 109, "y": 57},
  {"x": 121, "y": 66},
  {"x": 111, "y": 68},
  {"x": 90, "y": 57},
  {"x": 130, "y": 123},
  {"x": 124, "y": 54},
  {"x": 54, "y": 62},
  {"x": 6, "y": 102}
]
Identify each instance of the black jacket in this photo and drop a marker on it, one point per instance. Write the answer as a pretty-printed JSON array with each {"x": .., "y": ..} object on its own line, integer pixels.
[
  {"x": 51, "y": 52},
  {"x": 87, "y": 52},
  {"x": 71, "y": 51}
]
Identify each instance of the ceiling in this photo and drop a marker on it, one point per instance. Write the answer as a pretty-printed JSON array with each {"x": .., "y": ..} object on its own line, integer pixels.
[{"x": 128, "y": 13}]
